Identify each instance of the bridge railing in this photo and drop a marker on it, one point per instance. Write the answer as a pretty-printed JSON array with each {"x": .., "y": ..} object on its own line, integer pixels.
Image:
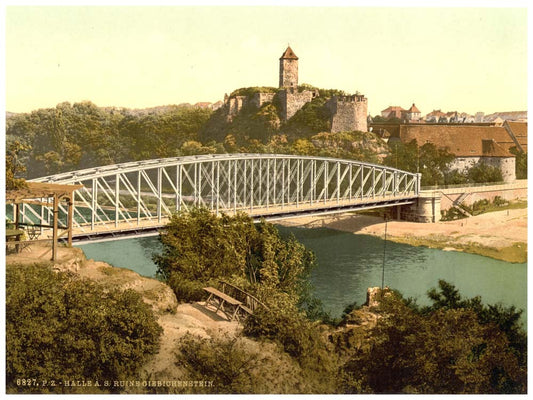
[{"x": 146, "y": 192}]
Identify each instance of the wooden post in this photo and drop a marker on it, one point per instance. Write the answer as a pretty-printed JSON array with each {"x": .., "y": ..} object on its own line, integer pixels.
[
  {"x": 17, "y": 217},
  {"x": 69, "y": 219},
  {"x": 54, "y": 229}
]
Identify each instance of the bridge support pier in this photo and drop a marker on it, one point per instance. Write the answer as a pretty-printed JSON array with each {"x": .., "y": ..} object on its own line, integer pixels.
[
  {"x": 425, "y": 209},
  {"x": 396, "y": 213}
]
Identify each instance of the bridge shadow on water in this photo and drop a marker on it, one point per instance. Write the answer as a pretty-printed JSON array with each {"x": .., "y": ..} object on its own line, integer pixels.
[{"x": 349, "y": 223}]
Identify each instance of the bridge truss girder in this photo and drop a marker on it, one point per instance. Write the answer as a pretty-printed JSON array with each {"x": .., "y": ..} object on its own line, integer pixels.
[{"x": 147, "y": 192}]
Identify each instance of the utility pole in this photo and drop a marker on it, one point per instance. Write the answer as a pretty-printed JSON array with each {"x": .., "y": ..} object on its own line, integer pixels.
[
  {"x": 384, "y": 254},
  {"x": 417, "y": 159}
]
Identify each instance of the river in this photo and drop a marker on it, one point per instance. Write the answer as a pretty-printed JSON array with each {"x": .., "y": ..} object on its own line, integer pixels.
[{"x": 348, "y": 264}]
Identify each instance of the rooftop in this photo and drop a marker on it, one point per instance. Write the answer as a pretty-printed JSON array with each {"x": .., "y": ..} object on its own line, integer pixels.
[
  {"x": 289, "y": 54},
  {"x": 35, "y": 190},
  {"x": 461, "y": 140}
]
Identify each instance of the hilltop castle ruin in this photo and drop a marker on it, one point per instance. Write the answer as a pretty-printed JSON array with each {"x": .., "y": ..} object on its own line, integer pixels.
[{"x": 348, "y": 113}]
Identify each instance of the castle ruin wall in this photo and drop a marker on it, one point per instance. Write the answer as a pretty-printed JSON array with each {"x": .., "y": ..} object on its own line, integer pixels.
[
  {"x": 348, "y": 113},
  {"x": 292, "y": 101},
  {"x": 261, "y": 98}
]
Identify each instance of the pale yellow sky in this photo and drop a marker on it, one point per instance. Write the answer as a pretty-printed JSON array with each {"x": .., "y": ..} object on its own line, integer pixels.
[{"x": 464, "y": 59}]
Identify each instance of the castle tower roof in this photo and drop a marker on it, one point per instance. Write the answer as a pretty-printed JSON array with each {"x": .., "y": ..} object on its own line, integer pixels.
[{"x": 288, "y": 54}]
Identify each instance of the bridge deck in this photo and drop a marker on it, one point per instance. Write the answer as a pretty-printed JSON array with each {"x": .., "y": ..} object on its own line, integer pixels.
[{"x": 271, "y": 213}]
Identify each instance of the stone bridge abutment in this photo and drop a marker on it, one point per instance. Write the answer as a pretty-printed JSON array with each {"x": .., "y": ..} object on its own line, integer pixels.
[{"x": 431, "y": 202}]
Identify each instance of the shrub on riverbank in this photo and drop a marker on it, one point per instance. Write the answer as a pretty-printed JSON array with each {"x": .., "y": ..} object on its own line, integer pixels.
[
  {"x": 237, "y": 365},
  {"x": 481, "y": 207},
  {"x": 454, "y": 346},
  {"x": 60, "y": 329},
  {"x": 200, "y": 248}
]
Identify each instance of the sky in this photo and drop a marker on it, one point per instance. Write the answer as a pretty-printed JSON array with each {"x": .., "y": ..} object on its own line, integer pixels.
[{"x": 454, "y": 59}]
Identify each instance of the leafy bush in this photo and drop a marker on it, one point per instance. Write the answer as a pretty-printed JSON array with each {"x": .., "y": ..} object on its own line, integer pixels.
[
  {"x": 499, "y": 202},
  {"x": 483, "y": 173},
  {"x": 312, "y": 118},
  {"x": 225, "y": 361},
  {"x": 199, "y": 248},
  {"x": 479, "y": 207},
  {"x": 250, "y": 91},
  {"x": 236, "y": 365},
  {"x": 66, "y": 329},
  {"x": 452, "y": 214},
  {"x": 454, "y": 346},
  {"x": 506, "y": 318},
  {"x": 520, "y": 163},
  {"x": 301, "y": 338}
]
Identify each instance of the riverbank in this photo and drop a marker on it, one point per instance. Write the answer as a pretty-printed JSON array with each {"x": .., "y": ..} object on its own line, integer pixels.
[
  {"x": 176, "y": 319},
  {"x": 500, "y": 235}
]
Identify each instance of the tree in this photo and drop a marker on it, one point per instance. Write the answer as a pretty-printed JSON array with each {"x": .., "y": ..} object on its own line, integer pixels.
[
  {"x": 521, "y": 162},
  {"x": 13, "y": 165},
  {"x": 62, "y": 328},
  {"x": 446, "y": 296},
  {"x": 482, "y": 173},
  {"x": 82, "y": 135},
  {"x": 192, "y": 147},
  {"x": 432, "y": 162},
  {"x": 199, "y": 248},
  {"x": 444, "y": 349},
  {"x": 312, "y": 118}
]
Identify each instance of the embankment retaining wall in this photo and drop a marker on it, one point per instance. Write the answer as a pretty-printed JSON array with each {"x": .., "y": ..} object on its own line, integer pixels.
[{"x": 511, "y": 191}]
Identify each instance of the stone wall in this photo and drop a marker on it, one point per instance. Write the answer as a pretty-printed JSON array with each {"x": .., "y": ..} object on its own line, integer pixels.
[
  {"x": 461, "y": 164},
  {"x": 292, "y": 101},
  {"x": 348, "y": 113},
  {"x": 261, "y": 98},
  {"x": 511, "y": 191},
  {"x": 235, "y": 104},
  {"x": 507, "y": 166}
]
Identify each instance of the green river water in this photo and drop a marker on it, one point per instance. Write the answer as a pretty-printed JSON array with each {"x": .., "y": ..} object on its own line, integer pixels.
[{"x": 348, "y": 264}]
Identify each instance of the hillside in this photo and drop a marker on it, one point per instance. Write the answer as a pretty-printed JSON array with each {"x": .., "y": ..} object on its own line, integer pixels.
[
  {"x": 507, "y": 115},
  {"x": 83, "y": 135}
]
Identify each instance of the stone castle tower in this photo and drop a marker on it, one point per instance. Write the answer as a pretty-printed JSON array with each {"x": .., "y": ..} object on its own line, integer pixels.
[
  {"x": 348, "y": 113},
  {"x": 288, "y": 69}
]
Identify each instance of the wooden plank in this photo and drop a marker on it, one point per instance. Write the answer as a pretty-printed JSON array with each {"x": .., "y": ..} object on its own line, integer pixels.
[
  {"x": 246, "y": 309},
  {"x": 222, "y": 296},
  {"x": 250, "y": 299}
]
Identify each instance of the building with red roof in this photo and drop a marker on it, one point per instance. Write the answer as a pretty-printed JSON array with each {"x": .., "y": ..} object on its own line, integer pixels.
[
  {"x": 411, "y": 115},
  {"x": 470, "y": 143}
]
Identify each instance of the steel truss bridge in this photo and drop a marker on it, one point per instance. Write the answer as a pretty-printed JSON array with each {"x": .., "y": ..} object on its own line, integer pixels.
[{"x": 139, "y": 197}]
